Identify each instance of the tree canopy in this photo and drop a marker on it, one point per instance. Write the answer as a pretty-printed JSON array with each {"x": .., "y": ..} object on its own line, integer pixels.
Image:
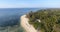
[{"x": 50, "y": 20}]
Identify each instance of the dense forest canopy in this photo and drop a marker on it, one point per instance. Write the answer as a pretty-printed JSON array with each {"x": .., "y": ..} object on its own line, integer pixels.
[{"x": 50, "y": 20}]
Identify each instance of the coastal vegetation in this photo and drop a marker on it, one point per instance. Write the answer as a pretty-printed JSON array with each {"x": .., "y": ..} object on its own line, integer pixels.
[{"x": 49, "y": 20}]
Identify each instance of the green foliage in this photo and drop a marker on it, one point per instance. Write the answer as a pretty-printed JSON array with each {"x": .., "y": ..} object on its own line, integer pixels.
[{"x": 49, "y": 19}]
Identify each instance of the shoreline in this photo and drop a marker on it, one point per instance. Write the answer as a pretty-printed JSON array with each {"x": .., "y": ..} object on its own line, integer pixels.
[{"x": 26, "y": 26}]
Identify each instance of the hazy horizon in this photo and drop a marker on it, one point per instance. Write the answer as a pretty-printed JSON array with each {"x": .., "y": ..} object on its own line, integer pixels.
[{"x": 29, "y": 3}]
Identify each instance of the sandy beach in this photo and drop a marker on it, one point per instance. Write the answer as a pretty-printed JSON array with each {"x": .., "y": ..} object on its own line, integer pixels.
[{"x": 27, "y": 27}]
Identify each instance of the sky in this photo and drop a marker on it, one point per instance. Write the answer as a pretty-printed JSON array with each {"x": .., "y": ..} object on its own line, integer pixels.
[{"x": 29, "y": 3}]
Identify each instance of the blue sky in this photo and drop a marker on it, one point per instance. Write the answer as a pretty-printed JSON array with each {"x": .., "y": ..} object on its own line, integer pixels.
[{"x": 29, "y": 3}]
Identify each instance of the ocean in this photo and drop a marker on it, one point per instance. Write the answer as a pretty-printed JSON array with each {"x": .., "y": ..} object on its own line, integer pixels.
[{"x": 10, "y": 18}]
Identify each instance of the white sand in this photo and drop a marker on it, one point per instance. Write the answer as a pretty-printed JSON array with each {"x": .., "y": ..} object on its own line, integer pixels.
[{"x": 27, "y": 27}]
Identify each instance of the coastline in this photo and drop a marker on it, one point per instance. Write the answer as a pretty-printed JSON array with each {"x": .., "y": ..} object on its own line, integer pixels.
[{"x": 26, "y": 26}]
